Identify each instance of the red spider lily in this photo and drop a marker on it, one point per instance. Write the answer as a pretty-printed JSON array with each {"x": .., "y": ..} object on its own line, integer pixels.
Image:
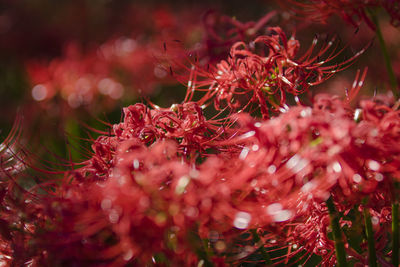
[
  {"x": 320, "y": 148},
  {"x": 80, "y": 79},
  {"x": 149, "y": 192},
  {"x": 262, "y": 79},
  {"x": 148, "y": 204},
  {"x": 120, "y": 67},
  {"x": 171, "y": 187},
  {"x": 309, "y": 233},
  {"x": 74, "y": 77},
  {"x": 139, "y": 196},
  {"x": 78, "y": 212},
  {"x": 351, "y": 11},
  {"x": 304, "y": 154},
  {"x": 184, "y": 123},
  {"x": 363, "y": 165}
]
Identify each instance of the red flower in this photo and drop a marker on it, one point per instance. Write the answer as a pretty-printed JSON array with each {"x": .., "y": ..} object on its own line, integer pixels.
[
  {"x": 184, "y": 123},
  {"x": 250, "y": 78}
]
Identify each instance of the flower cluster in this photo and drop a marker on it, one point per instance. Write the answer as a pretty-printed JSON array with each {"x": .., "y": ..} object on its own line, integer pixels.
[
  {"x": 255, "y": 178},
  {"x": 256, "y": 77},
  {"x": 122, "y": 66}
]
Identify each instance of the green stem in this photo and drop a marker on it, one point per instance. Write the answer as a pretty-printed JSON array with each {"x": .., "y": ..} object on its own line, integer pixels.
[
  {"x": 395, "y": 231},
  {"x": 207, "y": 254},
  {"x": 337, "y": 234},
  {"x": 370, "y": 237},
  {"x": 392, "y": 78},
  {"x": 200, "y": 247},
  {"x": 264, "y": 253}
]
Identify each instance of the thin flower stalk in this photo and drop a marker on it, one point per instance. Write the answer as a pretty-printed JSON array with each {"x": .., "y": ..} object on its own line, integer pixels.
[
  {"x": 370, "y": 238},
  {"x": 337, "y": 234}
]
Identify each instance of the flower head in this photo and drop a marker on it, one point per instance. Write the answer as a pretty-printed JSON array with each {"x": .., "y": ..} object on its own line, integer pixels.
[{"x": 261, "y": 74}]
